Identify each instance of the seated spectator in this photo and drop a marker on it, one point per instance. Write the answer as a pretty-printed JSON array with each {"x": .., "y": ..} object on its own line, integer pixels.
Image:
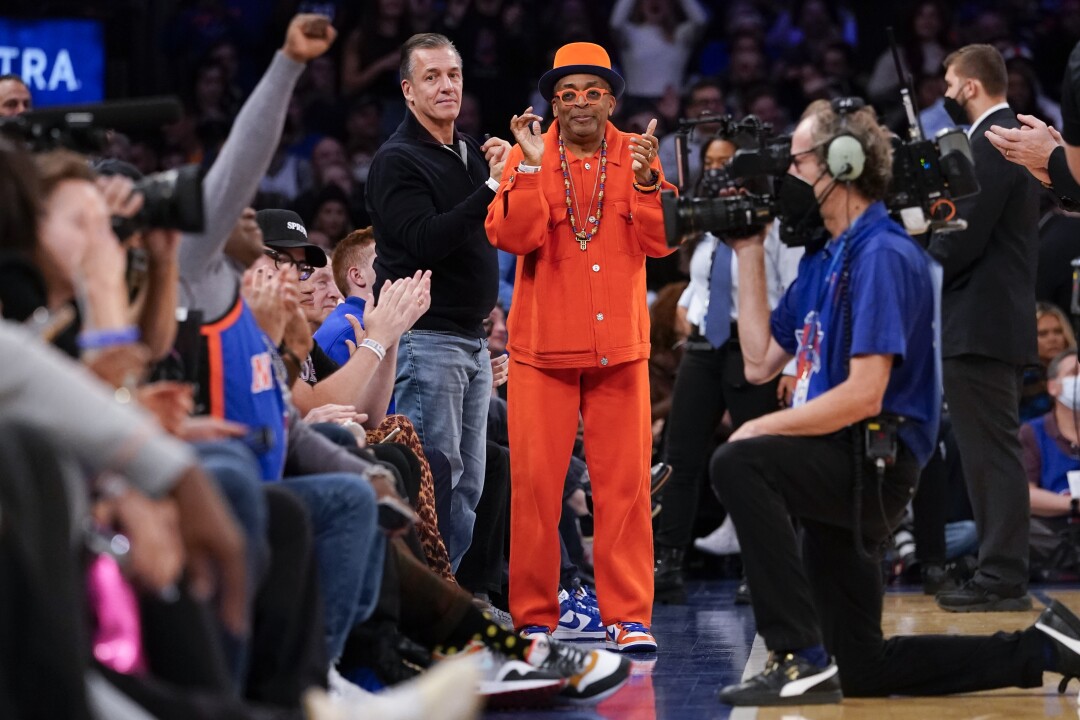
[
  {"x": 331, "y": 214},
  {"x": 319, "y": 296},
  {"x": 354, "y": 273},
  {"x": 1050, "y": 453},
  {"x": 1050, "y": 441},
  {"x": 667, "y": 335},
  {"x": 1055, "y": 335}
]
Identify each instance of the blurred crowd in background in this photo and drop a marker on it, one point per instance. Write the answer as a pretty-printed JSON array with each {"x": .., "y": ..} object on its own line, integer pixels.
[{"x": 769, "y": 58}]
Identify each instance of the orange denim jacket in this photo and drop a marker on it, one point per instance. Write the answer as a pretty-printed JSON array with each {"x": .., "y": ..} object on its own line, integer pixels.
[{"x": 575, "y": 308}]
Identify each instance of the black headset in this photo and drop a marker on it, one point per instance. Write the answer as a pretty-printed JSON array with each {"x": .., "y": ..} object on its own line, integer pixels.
[{"x": 844, "y": 154}]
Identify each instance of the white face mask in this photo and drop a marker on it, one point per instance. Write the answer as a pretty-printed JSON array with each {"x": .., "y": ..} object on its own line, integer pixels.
[{"x": 1070, "y": 392}]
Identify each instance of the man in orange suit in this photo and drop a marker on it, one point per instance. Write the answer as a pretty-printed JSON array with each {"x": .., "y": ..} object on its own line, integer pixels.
[{"x": 581, "y": 205}]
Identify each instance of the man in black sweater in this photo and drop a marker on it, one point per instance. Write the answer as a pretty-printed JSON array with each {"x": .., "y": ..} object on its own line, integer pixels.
[{"x": 427, "y": 193}]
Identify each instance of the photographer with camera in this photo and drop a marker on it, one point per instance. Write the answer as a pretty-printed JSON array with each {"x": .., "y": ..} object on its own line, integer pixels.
[
  {"x": 845, "y": 460},
  {"x": 988, "y": 333},
  {"x": 710, "y": 379}
]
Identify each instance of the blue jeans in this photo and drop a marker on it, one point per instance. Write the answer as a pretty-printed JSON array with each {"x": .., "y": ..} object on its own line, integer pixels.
[
  {"x": 444, "y": 388},
  {"x": 239, "y": 478},
  {"x": 961, "y": 538},
  {"x": 349, "y": 549}
]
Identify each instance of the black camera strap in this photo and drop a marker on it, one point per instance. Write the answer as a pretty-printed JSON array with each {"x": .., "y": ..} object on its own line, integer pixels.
[{"x": 873, "y": 439}]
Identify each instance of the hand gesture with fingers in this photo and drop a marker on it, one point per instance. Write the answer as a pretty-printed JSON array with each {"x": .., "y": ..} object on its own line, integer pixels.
[
  {"x": 526, "y": 130},
  {"x": 495, "y": 152},
  {"x": 643, "y": 149}
]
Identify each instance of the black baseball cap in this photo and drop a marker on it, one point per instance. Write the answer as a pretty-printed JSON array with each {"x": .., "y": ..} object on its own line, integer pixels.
[{"x": 285, "y": 229}]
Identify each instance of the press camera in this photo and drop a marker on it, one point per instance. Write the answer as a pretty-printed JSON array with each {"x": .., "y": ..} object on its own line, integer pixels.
[
  {"x": 172, "y": 199},
  {"x": 928, "y": 176}
]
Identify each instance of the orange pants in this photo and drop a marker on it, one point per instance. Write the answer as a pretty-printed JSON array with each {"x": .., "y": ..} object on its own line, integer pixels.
[{"x": 543, "y": 418}]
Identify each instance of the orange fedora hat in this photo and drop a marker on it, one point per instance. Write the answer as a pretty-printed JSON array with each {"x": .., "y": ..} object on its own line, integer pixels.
[{"x": 581, "y": 57}]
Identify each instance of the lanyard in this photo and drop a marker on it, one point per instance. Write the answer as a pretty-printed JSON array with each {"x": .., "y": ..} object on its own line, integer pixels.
[{"x": 830, "y": 275}]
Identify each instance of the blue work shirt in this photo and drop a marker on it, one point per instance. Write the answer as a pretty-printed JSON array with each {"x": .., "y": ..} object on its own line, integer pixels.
[{"x": 893, "y": 312}]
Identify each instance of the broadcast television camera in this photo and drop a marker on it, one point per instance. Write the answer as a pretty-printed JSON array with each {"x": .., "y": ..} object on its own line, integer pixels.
[
  {"x": 928, "y": 175},
  {"x": 172, "y": 199}
]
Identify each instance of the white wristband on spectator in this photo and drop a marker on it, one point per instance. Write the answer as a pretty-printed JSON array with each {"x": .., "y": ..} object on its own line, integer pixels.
[
  {"x": 375, "y": 347},
  {"x": 528, "y": 169},
  {"x": 492, "y": 183}
]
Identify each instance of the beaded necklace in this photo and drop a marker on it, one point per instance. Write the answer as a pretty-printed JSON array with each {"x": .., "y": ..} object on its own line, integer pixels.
[{"x": 582, "y": 236}]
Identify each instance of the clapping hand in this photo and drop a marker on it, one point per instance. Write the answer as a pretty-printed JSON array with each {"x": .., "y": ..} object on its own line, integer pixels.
[{"x": 1029, "y": 145}]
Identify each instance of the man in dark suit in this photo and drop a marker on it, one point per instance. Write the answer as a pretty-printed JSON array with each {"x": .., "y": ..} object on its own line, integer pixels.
[{"x": 988, "y": 318}]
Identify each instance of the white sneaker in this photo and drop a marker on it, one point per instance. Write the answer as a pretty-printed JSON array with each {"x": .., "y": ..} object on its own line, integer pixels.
[
  {"x": 345, "y": 690},
  {"x": 721, "y": 541},
  {"x": 517, "y": 684},
  {"x": 591, "y": 675},
  {"x": 440, "y": 692}
]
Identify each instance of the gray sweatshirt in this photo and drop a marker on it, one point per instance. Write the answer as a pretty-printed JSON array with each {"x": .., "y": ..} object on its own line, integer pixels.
[
  {"x": 64, "y": 401},
  {"x": 208, "y": 280}
]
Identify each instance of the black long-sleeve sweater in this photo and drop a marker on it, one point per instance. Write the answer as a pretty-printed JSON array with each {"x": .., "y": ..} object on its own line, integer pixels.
[{"x": 428, "y": 213}]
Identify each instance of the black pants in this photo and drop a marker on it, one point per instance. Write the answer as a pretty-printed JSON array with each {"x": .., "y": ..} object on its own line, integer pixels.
[
  {"x": 482, "y": 567},
  {"x": 832, "y": 595},
  {"x": 984, "y": 398},
  {"x": 709, "y": 382}
]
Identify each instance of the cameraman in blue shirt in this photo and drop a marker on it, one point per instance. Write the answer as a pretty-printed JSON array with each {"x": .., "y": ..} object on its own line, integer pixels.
[{"x": 859, "y": 320}]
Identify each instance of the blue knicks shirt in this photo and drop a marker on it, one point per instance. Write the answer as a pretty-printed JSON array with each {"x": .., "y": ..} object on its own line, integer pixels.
[
  {"x": 893, "y": 312},
  {"x": 242, "y": 382}
]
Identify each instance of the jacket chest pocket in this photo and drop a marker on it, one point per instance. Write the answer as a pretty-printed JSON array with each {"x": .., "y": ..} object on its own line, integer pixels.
[
  {"x": 561, "y": 243},
  {"x": 622, "y": 222}
]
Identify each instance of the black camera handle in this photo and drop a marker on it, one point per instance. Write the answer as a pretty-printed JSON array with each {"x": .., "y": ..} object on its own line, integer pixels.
[
  {"x": 907, "y": 90},
  {"x": 682, "y": 150}
]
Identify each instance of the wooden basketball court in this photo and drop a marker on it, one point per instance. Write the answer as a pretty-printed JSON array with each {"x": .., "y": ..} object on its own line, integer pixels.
[{"x": 916, "y": 614}]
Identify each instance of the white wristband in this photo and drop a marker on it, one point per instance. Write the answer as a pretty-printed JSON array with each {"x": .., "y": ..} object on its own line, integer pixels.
[
  {"x": 528, "y": 169},
  {"x": 375, "y": 347},
  {"x": 492, "y": 183}
]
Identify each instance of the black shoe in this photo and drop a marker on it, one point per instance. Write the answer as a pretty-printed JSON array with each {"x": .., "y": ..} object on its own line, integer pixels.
[
  {"x": 936, "y": 579},
  {"x": 973, "y": 597},
  {"x": 1063, "y": 627},
  {"x": 787, "y": 680},
  {"x": 669, "y": 581},
  {"x": 742, "y": 593},
  {"x": 661, "y": 473}
]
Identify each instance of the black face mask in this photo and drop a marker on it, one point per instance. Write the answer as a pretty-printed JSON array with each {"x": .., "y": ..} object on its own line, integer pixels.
[
  {"x": 801, "y": 223},
  {"x": 956, "y": 111}
]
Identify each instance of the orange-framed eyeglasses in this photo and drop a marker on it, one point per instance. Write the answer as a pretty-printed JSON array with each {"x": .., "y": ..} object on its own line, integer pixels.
[{"x": 570, "y": 96}]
